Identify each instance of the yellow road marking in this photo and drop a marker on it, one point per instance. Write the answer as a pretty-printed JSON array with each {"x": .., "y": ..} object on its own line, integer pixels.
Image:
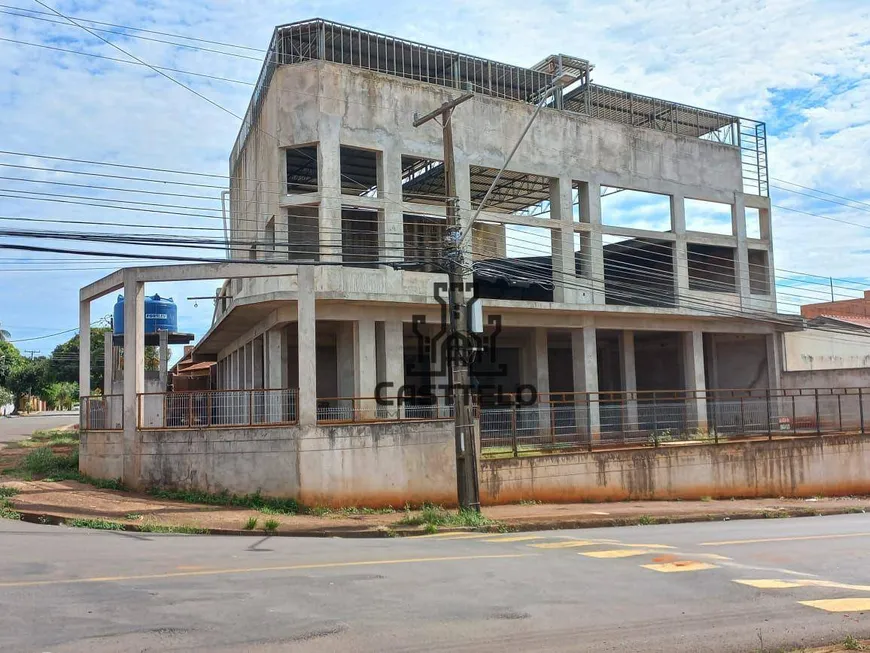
[
  {"x": 563, "y": 545},
  {"x": 464, "y": 536},
  {"x": 516, "y": 538},
  {"x": 786, "y": 539},
  {"x": 614, "y": 553},
  {"x": 252, "y": 570},
  {"x": 647, "y": 546},
  {"x": 839, "y": 605},
  {"x": 769, "y": 584},
  {"x": 672, "y": 567},
  {"x": 712, "y": 556}
]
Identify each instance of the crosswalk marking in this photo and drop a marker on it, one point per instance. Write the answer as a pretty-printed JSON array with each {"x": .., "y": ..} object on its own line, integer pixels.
[
  {"x": 563, "y": 545},
  {"x": 680, "y": 565},
  {"x": 614, "y": 553},
  {"x": 769, "y": 584},
  {"x": 840, "y": 605},
  {"x": 516, "y": 538}
]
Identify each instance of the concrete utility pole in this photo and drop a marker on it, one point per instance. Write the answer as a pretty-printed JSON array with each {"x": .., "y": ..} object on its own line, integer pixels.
[{"x": 460, "y": 350}]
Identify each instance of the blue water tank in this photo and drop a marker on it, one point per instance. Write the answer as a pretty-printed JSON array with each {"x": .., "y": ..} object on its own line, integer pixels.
[{"x": 161, "y": 314}]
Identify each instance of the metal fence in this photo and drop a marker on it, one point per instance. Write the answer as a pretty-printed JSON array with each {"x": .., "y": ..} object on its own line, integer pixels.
[
  {"x": 218, "y": 408},
  {"x": 101, "y": 413},
  {"x": 350, "y": 410},
  {"x": 601, "y": 420}
]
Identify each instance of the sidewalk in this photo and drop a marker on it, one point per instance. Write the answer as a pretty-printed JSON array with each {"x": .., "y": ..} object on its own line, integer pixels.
[{"x": 56, "y": 502}]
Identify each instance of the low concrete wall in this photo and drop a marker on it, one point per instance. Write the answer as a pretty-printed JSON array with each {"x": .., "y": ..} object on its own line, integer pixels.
[
  {"x": 833, "y": 465},
  {"x": 362, "y": 465},
  {"x": 857, "y": 377}
]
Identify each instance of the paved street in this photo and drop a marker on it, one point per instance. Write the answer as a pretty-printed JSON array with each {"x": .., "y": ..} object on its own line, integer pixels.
[
  {"x": 18, "y": 428},
  {"x": 724, "y": 586}
]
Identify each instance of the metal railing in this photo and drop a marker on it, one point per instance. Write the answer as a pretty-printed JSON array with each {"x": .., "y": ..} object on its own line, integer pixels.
[
  {"x": 101, "y": 413},
  {"x": 601, "y": 420},
  {"x": 353, "y": 410},
  {"x": 217, "y": 408}
]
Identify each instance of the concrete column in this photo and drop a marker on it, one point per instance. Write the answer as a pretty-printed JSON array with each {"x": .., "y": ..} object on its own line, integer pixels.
[
  {"x": 593, "y": 241},
  {"x": 542, "y": 377},
  {"x": 585, "y": 354},
  {"x": 391, "y": 227},
  {"x": 773, "y": 342},
  {"x": 566, "y": 288},
  {"x": 693, "y": 371},
  {"x": 108, "y": 362},
  {"x": 134, "y": 374},
  {"x": 681, "y": 256},
  {"x": 163, "y": 359},
  {"x": 629, "y": 379},
  {"x": 741, "y": 254},
  {"x": 390, "y": 348},
  {"x": 307, "y": 347},
  {"x": 365, "y": 366},
  {"x": 345, "y": 357},
  {"x": 329, "y": 180},
  {"x": 84, "y": 348},
  {"x": 258, "y": 362},
  {"x": 275, "y": 361},
  {"x": 463, "y": 192}
]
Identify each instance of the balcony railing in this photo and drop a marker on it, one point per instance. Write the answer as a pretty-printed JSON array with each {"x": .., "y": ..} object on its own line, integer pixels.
[
  {"x": 663, "y": 417},
  {"x": 101, "y": 413},
  {"x": 218, "y": 408}
]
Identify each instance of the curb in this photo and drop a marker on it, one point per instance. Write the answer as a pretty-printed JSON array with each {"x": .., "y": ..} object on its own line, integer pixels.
[{"x": 517, "y": 525}]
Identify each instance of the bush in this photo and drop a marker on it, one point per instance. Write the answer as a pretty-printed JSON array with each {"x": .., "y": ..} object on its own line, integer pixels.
[{"x": 44, "y": 462}]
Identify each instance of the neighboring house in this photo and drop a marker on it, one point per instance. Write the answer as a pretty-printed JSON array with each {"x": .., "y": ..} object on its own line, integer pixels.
[
  {"x": 336, "y": 231},
  {"x": 834, "y": 351}
]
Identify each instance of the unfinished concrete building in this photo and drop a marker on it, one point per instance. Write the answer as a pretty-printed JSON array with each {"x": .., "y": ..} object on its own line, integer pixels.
[{"x": 623, "y": 259}]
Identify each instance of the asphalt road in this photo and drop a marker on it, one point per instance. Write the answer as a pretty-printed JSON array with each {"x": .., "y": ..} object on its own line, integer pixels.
[
  {"x": 723, "y": 587},
  {"x": 18, "y": 428}
]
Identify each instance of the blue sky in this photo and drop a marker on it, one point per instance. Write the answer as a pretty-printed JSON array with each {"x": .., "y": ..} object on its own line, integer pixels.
[{"x": 802, "y": 67}]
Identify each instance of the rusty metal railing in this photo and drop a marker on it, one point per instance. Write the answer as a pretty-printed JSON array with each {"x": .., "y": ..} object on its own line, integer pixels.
[
  {"x": 353, "y": 410},
  {"x": 101, "y": 413},
  {"x": 197, "y": 409}
]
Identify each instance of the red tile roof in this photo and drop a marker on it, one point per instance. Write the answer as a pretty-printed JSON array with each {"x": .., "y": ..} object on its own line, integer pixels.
[{"x": 855, "y": 320}]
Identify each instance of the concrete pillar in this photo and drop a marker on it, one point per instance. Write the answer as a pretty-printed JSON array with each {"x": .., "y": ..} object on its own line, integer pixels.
[
  {"x": 345, "y": 357},
  {"x": 391, "y": 227},
  {"x": 329, "y": 181},
  {"x": 108, "y": 362},
  {"x": 593, "y": 241},
  {"x": 681, "y": 255},
  {"x": 390, "y": 349},
  {"x": 773, "y": 342},
  {"x": 542, "y": 377},
  {"x": 741, "y": 254},
  {"x": 84, "y": 348},
  {"x": 275, "y": 355},
  {"x": 307, "y": 347},
  {"x": 134, "y": 374},
  {"x": 463, "y": 192},
  {"x": 258, "y": 362},
  {"x": 629, "y": 380},
  {"x": 693, "y": 371},
  {"x": 365, "y": 367},
  {"x": 163, "y": 359},
  {"x": 585, "y": 355},
  {"x": 562, "y": 239}
]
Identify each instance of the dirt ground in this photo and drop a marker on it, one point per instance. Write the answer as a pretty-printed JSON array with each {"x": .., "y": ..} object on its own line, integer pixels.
[{"x": 70, "y": 499}]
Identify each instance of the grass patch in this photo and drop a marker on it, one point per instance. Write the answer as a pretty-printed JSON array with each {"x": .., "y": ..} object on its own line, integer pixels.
[
  {"x": 6, "y": 492},
  {"x": 51, "y": 438},
  {"x": 852, "y": 644},
  {"x": 98, "y": 524},
  {"x": 251, "y": 524},
  {"x": 165, "y": 528},
  {"x": 271, "y": 525},
  {"x": 7, "y": 510},
  {"x": 133, "y": 516},
  {"x": 775, "y": 514},
  {"x": 433, "y": 517},
  {"x": 530, "y": 502},
  {"x": 256, "y": 501},
  {"x": 47, "y": 465},
  {"x": 646, "y": 520},
  {"x": 324, "y": 511},
  {"x": 706, "y": 499}
]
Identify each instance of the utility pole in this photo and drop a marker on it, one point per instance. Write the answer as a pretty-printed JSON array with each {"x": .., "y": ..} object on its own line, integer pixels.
[{"x": 460, "y": 350}]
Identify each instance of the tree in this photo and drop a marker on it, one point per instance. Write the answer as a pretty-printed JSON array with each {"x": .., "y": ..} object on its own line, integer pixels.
[
  {"x": 65, "y": 359},
  {"x": 10, "y": 360},
  {"x": 61, "y": 395},
  {"x": 4, "y": 334},
  {"x": 31, "y": 378}
]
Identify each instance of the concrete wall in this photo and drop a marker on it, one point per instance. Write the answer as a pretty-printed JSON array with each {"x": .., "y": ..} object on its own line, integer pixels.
[
  {"x": 363, "y": 465},
  {"x": 834, "y": 465},
  {"x": 858, "y": 377},
  {"x": 825, "y": 350}
]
